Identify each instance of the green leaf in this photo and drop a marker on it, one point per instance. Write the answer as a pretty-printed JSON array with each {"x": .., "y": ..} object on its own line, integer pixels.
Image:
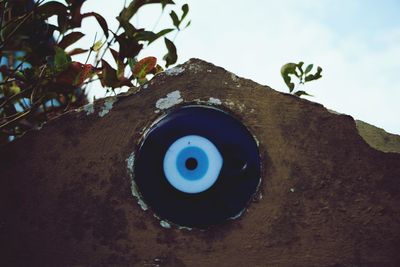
[
  {"x": 299, "y": 70},
  {"x": 120, "y": 70},
  {"x": 164, "y": 3},
  {"x": 309, "y": 68},
  {"x": 287, "y": 70},
  {"x": 171, "y": 57},
  {"x": 19, "y": 76},
  {"x": 162, "y": 33},
  {"x": 69, "y": 39},
  {"x": 132, "y": 63},
  {"x": 309, "y": 78},
  {"x": 97, "y": 46},
  {"x": 142, "y": 81},
  {"x": 14, "y": 88},
  {"x": 289, "y": 84},
  {"x": 144, "y": 67},
  {"x": 151, "y": 36},
  {"x": 157, "y": 69},
  {"x": 145, "y": 36},
  {"x": 188, "y": 24},
  {"x": 61, "y": 59},
  {"x": 300, "y": 93},
  {"x": 312, "y": 77},
  {"x": 175, "y": 19},
  {"x": 318, "y": 74},
  {"x": 130, "y": 30},
  {"x": 185, "y": 10},
  {"x": 128, "y": 12}
]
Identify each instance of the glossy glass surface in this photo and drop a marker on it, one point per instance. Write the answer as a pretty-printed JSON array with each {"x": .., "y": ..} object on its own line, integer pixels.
[{"x": 197, "y": 166}]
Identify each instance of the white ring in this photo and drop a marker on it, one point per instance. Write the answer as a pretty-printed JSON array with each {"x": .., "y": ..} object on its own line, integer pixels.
[{"x": 192, "y": 186}]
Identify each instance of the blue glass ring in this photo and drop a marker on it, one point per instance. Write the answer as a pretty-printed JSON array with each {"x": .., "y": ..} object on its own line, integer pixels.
[{"x": 206, "y": 159}]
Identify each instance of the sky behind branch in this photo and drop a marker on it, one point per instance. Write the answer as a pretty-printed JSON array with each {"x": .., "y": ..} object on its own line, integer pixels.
[{"x": 357, "y": 43}]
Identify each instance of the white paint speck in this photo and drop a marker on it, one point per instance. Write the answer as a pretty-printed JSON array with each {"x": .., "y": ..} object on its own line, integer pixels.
[
  {"x": 257, "y": 142},
  {"x": 174, "y": 71},
  {"x": 89, "y": 108},
  {"x": 333, "y": 112},
  {"x": 214, "y": 101},
  {"x": 234, "y": 77},
  {"x": 108, "y": 105},
  {"x": 291, "y": 190},
  {"x": 209, "y": 70},
  {"x": 229, "y": 103},
  {"x": 237, "y": 215},
  {"x": 195, "y": 68},
  {"x": 129, "y": 164},
  {"x": 172, "y": 99},
  {"x": 165, "y": 224}
]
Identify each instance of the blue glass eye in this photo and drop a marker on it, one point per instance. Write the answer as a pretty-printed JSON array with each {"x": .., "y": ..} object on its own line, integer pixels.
[
  {"x": 192, "y": 164},
  {"x": 197, "y": 166}
]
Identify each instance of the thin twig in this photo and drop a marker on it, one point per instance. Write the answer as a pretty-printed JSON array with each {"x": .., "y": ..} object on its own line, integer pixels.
[
  {"x": 20, "y": 116},
  {"x": 91, "y": 49}
]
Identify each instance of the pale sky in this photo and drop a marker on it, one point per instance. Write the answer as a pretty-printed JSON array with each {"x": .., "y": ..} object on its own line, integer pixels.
[{"x": 357, "y": 43}]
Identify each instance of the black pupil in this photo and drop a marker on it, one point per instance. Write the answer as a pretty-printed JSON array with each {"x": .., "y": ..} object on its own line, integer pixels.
[{"x": 191, "y": 163}]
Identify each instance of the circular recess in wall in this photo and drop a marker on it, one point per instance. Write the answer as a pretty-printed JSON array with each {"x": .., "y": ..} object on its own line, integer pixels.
[{"x": 197, "y": 166}]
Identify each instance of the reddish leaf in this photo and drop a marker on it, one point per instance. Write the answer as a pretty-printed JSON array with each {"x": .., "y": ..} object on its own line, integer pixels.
[
  {"x": 157, "y": 69},
  {"x": 144, "y": 66},
  {"x": 52, "y": 8},
  {"x": 171, "y": 57},
  {"x": 115, "y": 54},
  {"x": 128, "y": 47},
  {"x": 75, "y": 74},
  {"x": 76, "y": 16},
  {"x": 75, "y": 2},
  {"x": 120, "y": 64},
  {"x": 77, "y": 51},
  {"x": 102, "y": 22},
  {"x": 109, "y": 78},
  {"x": 70, "y": 38},
  {"x": 86, "y": 71}
]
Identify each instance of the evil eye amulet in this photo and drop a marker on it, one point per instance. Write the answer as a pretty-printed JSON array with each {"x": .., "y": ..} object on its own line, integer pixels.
[{"x": 197, "y": 166}]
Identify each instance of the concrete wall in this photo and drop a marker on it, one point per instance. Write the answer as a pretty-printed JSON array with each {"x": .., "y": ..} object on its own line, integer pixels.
[{"x": 327, "y": 198}]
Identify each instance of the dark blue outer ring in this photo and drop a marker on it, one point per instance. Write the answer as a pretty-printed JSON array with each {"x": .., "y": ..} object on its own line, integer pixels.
[{"x": 232, "y": 191}]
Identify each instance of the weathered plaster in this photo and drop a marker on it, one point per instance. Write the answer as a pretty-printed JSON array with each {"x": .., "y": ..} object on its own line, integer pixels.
[{"x": 169, "y": 101}]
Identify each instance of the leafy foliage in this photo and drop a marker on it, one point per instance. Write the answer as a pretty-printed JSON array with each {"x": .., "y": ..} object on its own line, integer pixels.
[
  {"x": 291, "y": 70},
  {"x": 39, "y": 79}
]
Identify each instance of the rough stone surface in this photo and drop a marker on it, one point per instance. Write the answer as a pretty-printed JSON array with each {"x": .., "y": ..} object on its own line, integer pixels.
[
  {"x": 327, "y": 198},
  {"x": 378, "y": 138}
]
